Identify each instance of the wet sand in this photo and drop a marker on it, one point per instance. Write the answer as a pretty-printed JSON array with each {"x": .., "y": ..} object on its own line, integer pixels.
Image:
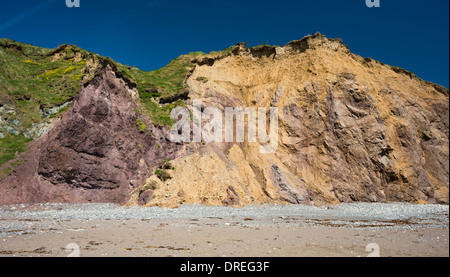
[{"x": 219, "y": 237}]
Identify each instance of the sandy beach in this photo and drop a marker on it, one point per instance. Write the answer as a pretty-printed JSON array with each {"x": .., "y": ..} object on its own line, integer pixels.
[{"x": 64, "y": 230}]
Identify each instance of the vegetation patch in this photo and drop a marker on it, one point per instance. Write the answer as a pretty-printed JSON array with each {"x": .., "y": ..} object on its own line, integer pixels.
[
  {"x": 152, "y": 185},
  {"x": 166, "y": 165},
  {"x": 162, "y": 175},
  {"x": 202, "y": 79},
  {"x": 33, "y": 81},
  {"x": 10, "y": 145},
  {"x": 141, "y": 125}
]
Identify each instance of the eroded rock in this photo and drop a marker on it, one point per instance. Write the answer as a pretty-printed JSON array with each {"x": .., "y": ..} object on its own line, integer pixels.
[{"x": 92, "y": 153}]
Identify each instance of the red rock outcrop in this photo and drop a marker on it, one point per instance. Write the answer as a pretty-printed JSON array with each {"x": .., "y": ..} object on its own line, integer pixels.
[{"x": 94, "y": 153}]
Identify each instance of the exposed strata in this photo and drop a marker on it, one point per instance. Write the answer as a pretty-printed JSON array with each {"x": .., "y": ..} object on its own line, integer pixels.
[
  {"x": 94, "y": 153},
  {"x": 351, "y": 129}
]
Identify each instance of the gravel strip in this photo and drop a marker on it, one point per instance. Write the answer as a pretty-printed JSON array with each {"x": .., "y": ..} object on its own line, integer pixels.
[{"x": 17, "y": 219}]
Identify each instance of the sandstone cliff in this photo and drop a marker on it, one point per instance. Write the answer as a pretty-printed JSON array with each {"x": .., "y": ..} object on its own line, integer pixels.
[{"x": 351, "y": 129}]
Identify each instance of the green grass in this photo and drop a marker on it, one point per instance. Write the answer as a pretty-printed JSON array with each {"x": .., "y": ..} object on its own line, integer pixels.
[
  {"x": 10, "y": 145},
  {"x": 32, "y": 81},
  {"x": 159, "y": 114},
  {"x": 141, "y": 125},
  {"x": 169, "y": 79}
]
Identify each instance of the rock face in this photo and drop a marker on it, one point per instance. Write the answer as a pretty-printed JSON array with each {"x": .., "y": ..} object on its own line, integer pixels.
[
  {"x": 145, "y": 197},
  {"x": 95, "y": 153},
  {"x": 232, "y": 198},
  {"x": 287, "y": 192},
  {"x": 350, "y": 129}
]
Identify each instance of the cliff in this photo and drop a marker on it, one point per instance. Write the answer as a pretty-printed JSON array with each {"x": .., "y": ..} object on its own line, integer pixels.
[{"x": 349, "y": 129}]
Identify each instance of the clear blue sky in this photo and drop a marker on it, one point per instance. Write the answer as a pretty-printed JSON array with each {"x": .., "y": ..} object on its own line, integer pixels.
[{"x": 412, "y": 34}]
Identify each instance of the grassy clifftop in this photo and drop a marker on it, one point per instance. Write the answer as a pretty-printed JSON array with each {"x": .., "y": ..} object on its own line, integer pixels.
[{"x": 32, "y": 80}]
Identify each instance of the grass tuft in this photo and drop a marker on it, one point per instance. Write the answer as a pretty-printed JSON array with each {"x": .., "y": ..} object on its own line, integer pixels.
[{"x": 10, "y": 145}]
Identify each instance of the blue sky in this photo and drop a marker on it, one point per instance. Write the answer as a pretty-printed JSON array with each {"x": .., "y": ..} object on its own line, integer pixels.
[{"x": 412, "y": 34}]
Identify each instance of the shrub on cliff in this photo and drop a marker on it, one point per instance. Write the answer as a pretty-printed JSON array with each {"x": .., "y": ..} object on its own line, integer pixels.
[{"x": 162, "y": 175}]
